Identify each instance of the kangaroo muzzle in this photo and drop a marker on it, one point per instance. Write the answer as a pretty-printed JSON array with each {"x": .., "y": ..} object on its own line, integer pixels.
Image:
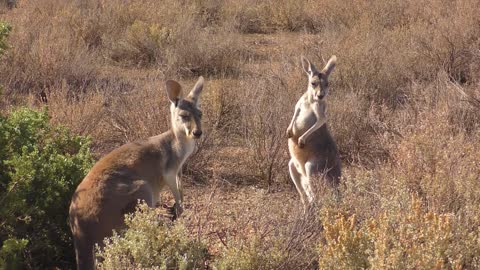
[{"x": 197, "y": 133}]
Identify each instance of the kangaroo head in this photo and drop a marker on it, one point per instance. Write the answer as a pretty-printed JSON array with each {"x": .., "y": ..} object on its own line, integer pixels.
[
  {"x": 185, "y": 114},
  {"x": 318, "y": 80}
]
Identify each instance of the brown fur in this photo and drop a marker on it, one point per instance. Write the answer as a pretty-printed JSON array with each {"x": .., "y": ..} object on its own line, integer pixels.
[
  {"x": 135, "y": 171},
  {"x": 329, "y": 163}
]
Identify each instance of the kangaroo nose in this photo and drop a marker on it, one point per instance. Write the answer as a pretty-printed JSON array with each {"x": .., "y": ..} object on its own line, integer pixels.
[
  {"x": 321, "y": 96},
  {"x": 197, "y": 133}
]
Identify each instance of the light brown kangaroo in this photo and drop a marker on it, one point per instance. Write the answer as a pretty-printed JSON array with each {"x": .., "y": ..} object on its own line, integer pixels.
[
  {"x": 132, "y": 172},
  {"x": 312, "y": 149}
]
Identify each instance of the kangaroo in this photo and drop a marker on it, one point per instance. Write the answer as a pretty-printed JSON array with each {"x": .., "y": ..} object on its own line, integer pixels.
[
  {"x": 312, "y": 149},
  {"x": 132, "y": 172}
]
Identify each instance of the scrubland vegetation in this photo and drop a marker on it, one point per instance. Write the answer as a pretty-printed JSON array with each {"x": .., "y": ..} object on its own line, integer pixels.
[{"x": 404, "y": 108}]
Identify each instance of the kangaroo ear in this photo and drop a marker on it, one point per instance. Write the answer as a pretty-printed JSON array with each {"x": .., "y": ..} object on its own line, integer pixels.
[
  {"x": 196, "y": 90},
  {"x": 330, "y": 65},
  {"x": 308, "y": 67},
  {"x": 174, "y": 91}
]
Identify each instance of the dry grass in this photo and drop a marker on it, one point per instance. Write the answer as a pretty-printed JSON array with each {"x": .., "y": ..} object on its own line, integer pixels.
[{"x": 403, "y": 107}]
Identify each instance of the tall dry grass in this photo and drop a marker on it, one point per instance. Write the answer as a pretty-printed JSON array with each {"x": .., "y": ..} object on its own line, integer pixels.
[{"x": 403, "y": 107}]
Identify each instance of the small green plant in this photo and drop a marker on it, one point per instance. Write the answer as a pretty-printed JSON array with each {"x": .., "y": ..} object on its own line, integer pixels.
[
  {"x": 40, "y": 167},
  {"x": 5, "y": 30},
  {"x": 152, "y": 242}
]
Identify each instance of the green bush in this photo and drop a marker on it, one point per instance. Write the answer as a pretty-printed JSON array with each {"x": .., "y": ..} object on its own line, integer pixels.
[
  {"x": 40, "y": 167},
  {"x": 151, "y": 242}
]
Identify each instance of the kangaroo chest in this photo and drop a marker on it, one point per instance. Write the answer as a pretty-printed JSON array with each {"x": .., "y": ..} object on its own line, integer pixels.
[
  {"x": 179, "y": 155},
  {"x": 185, "y": 151},
  {"x": 305, "y": 119}
]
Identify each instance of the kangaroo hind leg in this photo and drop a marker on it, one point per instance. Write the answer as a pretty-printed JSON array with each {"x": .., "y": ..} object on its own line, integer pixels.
[{"x": 297, "y": 180}]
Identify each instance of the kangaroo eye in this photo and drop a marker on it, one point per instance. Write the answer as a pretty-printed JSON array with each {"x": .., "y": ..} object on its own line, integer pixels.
[
  {"x": 314, "y": 84},
  {"x": 184, "y": 117}
]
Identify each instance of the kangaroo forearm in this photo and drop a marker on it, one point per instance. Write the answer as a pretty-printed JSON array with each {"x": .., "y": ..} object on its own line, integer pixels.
[
  {"x": 309, "y": 132},
  {"x": 291, "y": 124},
  {"x": 295, "y": 114}
]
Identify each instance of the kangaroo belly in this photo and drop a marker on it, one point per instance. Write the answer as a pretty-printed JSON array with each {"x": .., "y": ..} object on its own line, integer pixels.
[
  {"x": 302, "y": 155},
  {"x": 320, "y": 148}
]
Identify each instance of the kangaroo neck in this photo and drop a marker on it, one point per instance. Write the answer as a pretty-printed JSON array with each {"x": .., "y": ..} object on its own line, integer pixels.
[{"x": 182, "y": 144}]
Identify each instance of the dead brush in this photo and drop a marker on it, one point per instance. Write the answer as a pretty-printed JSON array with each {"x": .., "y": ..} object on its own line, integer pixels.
[
  {"x": 65, "y": 110},
  {"x": 45, "y": 51},
  {"x": 264, "y": 120},
  {"x": 241, "y": 235},
  {"x": 268, "y": 16},
  {"x": 410, "y": 46},
  {"x": 168, "y": 36}
]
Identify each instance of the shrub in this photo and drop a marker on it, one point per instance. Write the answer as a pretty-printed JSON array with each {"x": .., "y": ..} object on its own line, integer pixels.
[
  {"x": 269, "y": 16},
  {"x": 251, "y": 254},
  {"x": 10, "y": 254},
  {"x": 264, "y": 124},
  {"x": 142, "y": 44},
  {"x": 259, "y": 232},
  {"x": 413, "y": 238},
  {"x": 171, "y": 37},
  {"x": 40, "y": 167},
  {"x": 346, "y": 247},
  {"x": 151, "y": 243},
  {"x": 5, "y": 29},
  {"x": 46, "y": 51}
]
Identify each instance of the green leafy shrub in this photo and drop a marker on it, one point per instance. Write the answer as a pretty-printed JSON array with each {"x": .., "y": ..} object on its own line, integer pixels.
[
  {"x": 40, "y": 167},
  {"x": 151, "y": 242}
]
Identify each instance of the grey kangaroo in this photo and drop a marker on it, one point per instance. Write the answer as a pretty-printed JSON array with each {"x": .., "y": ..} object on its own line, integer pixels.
[
  {"x": 312, "y": 149},
  {"x": 135, "y": 171}
]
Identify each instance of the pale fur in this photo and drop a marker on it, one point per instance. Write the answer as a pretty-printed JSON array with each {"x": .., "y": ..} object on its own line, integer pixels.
[
  {"x": 313, "y": 151},
  {"x": 135, "y": 171}
]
